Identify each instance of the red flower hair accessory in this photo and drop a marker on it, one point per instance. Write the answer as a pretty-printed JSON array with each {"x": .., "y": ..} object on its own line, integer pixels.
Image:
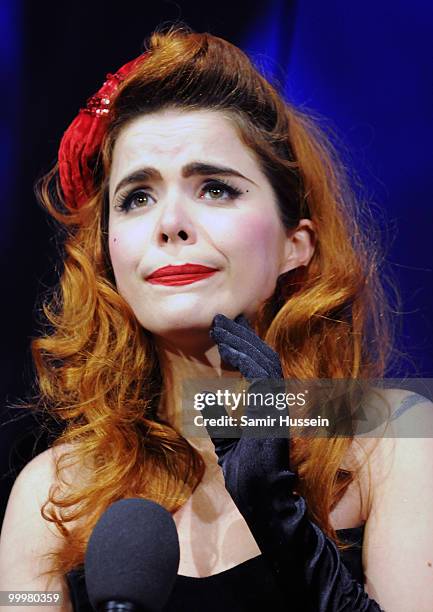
[{"x": 82, "y": 140}]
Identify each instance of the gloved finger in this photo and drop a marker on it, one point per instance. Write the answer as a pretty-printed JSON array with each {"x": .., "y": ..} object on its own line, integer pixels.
[
  {"x": 236, "y": 349},
  {"x": 242, "y": 320},
  {"x": 270, "y": 368},
  {"x": 221, "y": 322},
  {"x": 243, "y": 362}
]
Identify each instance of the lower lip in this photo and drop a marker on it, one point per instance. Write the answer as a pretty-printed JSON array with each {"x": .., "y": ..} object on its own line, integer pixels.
[{"x": 179, "y": 279}]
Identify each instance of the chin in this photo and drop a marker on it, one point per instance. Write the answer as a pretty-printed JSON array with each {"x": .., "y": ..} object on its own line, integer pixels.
[
  {"x": 188, "y": 315},
  {"x": 185, "y": 327},
  {"x": 177, "y": 323}
]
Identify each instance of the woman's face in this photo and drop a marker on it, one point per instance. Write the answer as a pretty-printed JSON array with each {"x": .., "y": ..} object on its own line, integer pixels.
[{"x": 198, "y": 197}]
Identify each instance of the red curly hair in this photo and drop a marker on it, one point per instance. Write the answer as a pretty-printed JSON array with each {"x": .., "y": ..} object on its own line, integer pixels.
[{"x": 98, "y": 369}]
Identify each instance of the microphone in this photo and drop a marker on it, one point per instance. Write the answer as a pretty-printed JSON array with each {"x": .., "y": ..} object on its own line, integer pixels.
[{"x": 132, "y": 557}]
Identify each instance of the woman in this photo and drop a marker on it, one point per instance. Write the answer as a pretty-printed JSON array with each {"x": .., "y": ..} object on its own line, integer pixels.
[{"x": 198, "y": 204}]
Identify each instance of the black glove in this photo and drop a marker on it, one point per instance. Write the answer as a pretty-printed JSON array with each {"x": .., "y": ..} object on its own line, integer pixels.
[{"x": 257, "y": 474}]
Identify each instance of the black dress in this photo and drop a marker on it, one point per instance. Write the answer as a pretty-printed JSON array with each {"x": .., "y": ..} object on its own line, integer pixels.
[{"x": 249, "y": 586}]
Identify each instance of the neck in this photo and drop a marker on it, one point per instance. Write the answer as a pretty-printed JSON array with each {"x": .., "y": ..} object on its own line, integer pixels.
[{"x": 179, "y": 364}]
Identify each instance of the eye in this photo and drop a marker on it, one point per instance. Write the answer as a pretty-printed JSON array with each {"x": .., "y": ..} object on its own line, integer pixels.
[
  {"x": 216, "y": 189},
  {"x": 133, "y": 200}
]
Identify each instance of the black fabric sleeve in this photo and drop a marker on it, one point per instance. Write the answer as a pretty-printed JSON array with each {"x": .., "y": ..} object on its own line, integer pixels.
[{"x": 306, "y": 562}]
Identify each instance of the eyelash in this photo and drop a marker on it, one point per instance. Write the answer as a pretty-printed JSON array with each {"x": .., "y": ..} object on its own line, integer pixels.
[{"x": 124, "y": 203}]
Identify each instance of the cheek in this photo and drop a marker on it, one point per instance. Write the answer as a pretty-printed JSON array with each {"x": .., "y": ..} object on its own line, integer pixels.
[
  {"x": 255, "y": 259},
  {"x": 257, "y": 238},
  {"x": 123, "y": 255},
  {"x": 114, "y": 247}
]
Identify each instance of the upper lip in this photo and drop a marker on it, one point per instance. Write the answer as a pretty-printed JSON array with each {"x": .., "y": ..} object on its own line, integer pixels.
[{"x": 188, "y": 268}]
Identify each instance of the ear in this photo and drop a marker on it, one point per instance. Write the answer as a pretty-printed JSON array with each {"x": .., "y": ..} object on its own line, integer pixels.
[{"x": 299, "y": 247}]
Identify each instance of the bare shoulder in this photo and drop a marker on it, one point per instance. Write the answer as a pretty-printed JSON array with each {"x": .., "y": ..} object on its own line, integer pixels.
[
  {"x": 26, "y": 536},
  {"x": 399, "y": 421},
  {"x": 32, "y": 484},
  {"x": 401, "y": 443},
  {"x": 398, "y": 539},
  {"x": 37, "y": 476}
]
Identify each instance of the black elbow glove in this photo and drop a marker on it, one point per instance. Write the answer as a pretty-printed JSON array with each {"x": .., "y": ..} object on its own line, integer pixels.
[{"x": 306, "y": 563}]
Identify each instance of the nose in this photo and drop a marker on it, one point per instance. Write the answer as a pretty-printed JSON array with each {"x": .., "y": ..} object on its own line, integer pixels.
[{"x": 175, "y": 225}]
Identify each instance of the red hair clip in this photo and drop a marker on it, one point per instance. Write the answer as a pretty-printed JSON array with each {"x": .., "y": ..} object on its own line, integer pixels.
[{"x": 82, "y": 140}]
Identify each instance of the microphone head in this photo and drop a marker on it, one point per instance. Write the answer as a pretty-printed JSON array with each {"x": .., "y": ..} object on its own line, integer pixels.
[{"x": 132, "y": 555}]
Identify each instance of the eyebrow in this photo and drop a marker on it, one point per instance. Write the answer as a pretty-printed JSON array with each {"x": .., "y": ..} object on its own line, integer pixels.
[{"x": 191, "y": 169}]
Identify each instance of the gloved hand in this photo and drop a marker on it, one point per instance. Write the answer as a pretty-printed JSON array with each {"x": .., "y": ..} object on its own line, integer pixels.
[
  {"x": 240, "y": 347},
  {"x": 306, "y": 563}
]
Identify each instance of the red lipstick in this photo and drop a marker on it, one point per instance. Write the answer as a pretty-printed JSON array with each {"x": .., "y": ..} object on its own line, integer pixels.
[{"x": 180, "y": 275}]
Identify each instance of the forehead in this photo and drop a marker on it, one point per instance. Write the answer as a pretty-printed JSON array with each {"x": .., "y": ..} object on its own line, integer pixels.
[{"x": 172, "y": 138}]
